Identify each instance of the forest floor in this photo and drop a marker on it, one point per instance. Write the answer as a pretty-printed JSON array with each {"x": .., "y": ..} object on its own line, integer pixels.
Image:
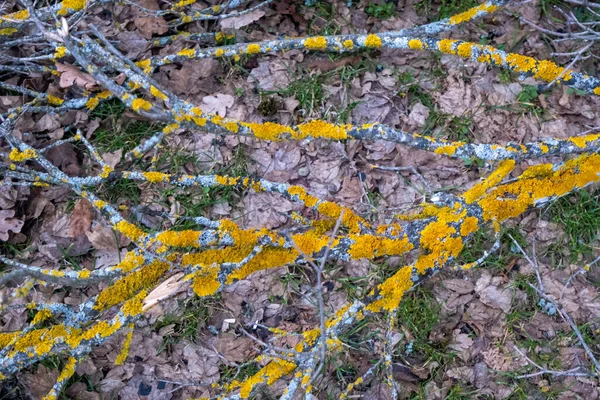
[{"x": 457, "y": 335}]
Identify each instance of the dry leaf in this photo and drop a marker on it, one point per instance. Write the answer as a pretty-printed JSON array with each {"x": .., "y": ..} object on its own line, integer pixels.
[
  {"x": 148, "y": 26},
  {"x": 217, "y": 104},
  {"x": 496, "y": 298},
  {"x": 112, "y": 159},
  {"x": 242, "y": 20},
  {"x": 8, "y": 223},
  {"x": 71, "y": 75},
  {"x": 81, "y": 218},
  {"x": 103, "y": 237}
]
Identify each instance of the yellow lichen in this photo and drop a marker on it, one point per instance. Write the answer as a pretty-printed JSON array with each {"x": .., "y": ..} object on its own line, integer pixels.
[
  {"x": 126, "y": 287},
  {"x": 125, "y": 349},
  {"x": 157, "y": 93},
  {"x": 141, "y": 104},
  {"x": 55, "y": 101},
  {"x": 179, "y": 238},
  {"x": 67, "y": 6},
  {"x": 18, "y": 156},
  {"x": 316, "y": 43},
  {"x": 445, "y": 46},
  {"x": 129, "y": 230},
  {"x": 373, "y": 41},
  {"x": 156, "y": 177},
  {"x": 206, "y": 281},
  {"x": 471, "y": 13},
  {"x": 253, "y": 48},
  {"x": 268, "y": 374},
  {"x": 415, "y": 44},
  {"x": 269, "y": 130},
  {"x": 348, "y": 44},
  {"x": 189, "y": 53},
  {"x": 322, "y": 129}
]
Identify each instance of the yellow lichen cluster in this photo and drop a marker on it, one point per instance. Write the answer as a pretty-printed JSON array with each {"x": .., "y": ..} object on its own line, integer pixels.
[
  {"x": 55, "y": 101},
  {"x": 126, "y": 287},
  {"x": 322, "y": 129},
  {"x": 370, "y": 246},
  {"x": 253, "y": 48},
  {"x": 471, "y": 13},
  {"x": 125, "y": 349},
  {"x": 18, "y": 156},
  {"x": 67, "y": 6},
  {"x": 16, "y": 16},
  {"x": 537, "y": 183},
  {"x": 129, "y": 230},
  {"x": 373, "y": 41},
  {"x": 415, "y": 44},
  {"x": 189, "y": 53},
  {"x": 156, "y": 177},
  {"x": 206, "y": 281},
  {"x": 270, "y": 373},
  {"x": 315, "y": 43},
  {"x": 187, "y": 238},
  {"x": 477, "y": 191},
  {"x": 141, "y": 104}
]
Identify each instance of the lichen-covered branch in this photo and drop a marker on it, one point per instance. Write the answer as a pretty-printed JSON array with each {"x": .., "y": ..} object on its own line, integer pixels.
[{"x": 220, "y": 252}]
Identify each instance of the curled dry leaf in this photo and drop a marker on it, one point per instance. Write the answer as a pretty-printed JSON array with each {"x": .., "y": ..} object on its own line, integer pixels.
[{"x": 8, "y": 223}]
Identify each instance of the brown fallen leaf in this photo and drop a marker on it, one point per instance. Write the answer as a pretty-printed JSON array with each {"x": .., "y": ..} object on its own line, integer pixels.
[
  {"x": 8, "y": 223},
  {"x": 242, "y": 20},
  {"x": 217, "y": 104},
  {"x": 73, "y": 76},
  {"x": 148, "y": 26},
  {"x": 81, "y": 218},
  {"x": 103, "y": 237}
]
